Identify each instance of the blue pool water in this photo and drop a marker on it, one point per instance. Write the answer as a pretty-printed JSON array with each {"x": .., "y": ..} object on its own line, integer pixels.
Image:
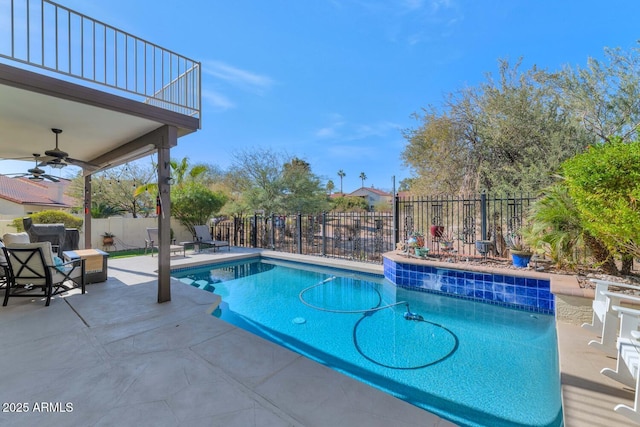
[{"x": 472, "y": 363}]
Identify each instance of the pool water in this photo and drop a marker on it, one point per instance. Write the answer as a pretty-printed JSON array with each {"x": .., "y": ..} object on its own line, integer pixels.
[{"x": 472, "y": 363}]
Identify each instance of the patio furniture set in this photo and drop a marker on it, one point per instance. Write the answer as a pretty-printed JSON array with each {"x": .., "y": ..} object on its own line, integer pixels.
[{"x": 32, "y": 266}]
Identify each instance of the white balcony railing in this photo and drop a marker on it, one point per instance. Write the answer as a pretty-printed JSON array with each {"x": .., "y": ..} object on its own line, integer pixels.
[{"x": 49, "y": 36}]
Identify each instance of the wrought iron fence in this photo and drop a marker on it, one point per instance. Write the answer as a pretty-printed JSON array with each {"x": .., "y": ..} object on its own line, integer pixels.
[
  {"x": 477, "y": 225},
  {"x": 365, "y": 236},
  {"x": 362, "y": 236}
]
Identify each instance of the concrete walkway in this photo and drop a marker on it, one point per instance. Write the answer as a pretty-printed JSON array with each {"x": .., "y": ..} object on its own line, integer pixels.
[{"x": 114, "y": 357}]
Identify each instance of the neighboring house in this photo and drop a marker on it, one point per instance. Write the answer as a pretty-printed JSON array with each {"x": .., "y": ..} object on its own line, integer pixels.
[
  {"x": 21, "y": 196},
  {"x": 373, "y": 196}
]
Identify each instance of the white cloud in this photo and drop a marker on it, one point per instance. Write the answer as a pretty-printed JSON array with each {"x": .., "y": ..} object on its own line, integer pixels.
[
  {"x": 340, "y": 129},
  {"x": 236, "y": 76},
  {"x": 217, "y": 100}
]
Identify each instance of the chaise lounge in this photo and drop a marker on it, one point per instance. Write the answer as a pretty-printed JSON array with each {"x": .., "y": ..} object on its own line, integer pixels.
[{"x": 204, "y": 238}]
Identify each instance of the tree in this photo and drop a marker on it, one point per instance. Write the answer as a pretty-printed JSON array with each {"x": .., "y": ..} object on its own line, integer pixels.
[
  {"x": 605, "y": 95},
  {"x": 181, "y": 171},
  {"x": 114, "y": 190},
  {"x": 275, "y": 182},
  {"x": 330, "y": 187},
  {"x": 363, "y": 177},
  {"x": 341, "y": 174},
  {"x": 303, "y": 190},
  {"x": 508, "y": 134},
  {"x": 192, "y": 203}
]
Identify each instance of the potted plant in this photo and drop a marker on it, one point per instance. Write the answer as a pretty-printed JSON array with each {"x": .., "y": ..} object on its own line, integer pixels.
[
  {"x": 436, "y": 231},
  {"x": 415, "y": 242},
  {"x": 520, "y": 251},
  {"x": 446, "y": 241},
  {"x": 107, "y": 238}
]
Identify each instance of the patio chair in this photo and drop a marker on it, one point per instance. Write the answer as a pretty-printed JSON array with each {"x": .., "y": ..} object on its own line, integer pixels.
[
  {"x": 626, "y": 371},
  {"x": 605, "y": 320},
  {"x": 32, "y": 265},
  {"x": 204, "y": 238},
  {"x": 4, "y": 268},
  {"x": 154, "y": 239}
]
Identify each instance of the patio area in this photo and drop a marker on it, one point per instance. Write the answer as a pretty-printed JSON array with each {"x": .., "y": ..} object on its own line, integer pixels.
[{"x": 119, "y": 358}]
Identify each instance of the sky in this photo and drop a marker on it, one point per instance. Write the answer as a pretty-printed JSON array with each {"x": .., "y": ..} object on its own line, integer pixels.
[{"x": 336, "y": 82}]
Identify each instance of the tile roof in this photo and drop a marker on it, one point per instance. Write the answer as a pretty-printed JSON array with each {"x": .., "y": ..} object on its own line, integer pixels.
[
  {"x": 26, "y": 192},
  {"x": 371, "y": 190}
]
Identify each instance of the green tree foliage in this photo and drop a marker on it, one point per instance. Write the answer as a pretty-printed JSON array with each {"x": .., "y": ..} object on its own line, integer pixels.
[
  {"x": 50, "y": 217},
  {"x": 348, "y": 204},
  {"x": 274, "y": 183},
  {"x": 556, "y": 227},
  {"x": 304, "y": 192},
  {"x": 604, "y": 96},
  {"x": 432, "y": 150},
  {"x": 330, "y": 187},
  {"x": 116, "y": 190},
  {"x": 362, "y": 177},
  {"x": 604, "y": 183},
  {"x": 192, "y": 203},
  {"x": 508, "y": 134}
]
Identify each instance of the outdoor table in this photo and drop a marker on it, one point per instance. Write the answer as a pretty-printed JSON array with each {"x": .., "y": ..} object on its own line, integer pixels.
[{"x": 95, "y": 263}]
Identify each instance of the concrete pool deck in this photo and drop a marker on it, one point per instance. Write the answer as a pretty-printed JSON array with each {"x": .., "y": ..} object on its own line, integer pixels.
[{"x": 119, "y": 358}]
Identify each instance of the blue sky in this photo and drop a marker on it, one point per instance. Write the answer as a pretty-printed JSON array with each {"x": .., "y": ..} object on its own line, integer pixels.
[{"x": 336, "y": 81}]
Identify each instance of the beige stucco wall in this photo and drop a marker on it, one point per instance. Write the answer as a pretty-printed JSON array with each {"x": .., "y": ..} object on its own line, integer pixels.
[{"x": 129, "y": 232}]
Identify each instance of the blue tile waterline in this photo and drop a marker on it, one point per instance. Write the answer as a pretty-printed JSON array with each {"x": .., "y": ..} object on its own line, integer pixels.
[{"x": 522, "y": 293}]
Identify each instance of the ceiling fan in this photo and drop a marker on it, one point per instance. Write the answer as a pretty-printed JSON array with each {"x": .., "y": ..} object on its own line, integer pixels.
[
  {"x": 57, "y": 159},
  {"x": 35, "y": 174}
]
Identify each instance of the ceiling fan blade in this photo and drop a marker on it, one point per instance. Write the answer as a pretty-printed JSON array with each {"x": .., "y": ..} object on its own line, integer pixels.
[{"x": 51, "y": 178}]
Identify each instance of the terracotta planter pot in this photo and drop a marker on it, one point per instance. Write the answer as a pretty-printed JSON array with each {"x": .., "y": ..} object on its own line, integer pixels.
[{"x": 436, "y": 230}]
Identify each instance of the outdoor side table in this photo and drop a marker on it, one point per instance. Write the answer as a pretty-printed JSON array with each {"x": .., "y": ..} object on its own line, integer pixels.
[
  {"x": 195, "y": 244},
  {"x": 95, "y": 264}
]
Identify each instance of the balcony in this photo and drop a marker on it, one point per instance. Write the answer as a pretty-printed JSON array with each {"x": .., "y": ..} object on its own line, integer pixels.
[{"x": 103, "y": 86}]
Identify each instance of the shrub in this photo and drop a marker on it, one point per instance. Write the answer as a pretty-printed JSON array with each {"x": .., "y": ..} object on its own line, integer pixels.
[{"x": 50, "y": 217}]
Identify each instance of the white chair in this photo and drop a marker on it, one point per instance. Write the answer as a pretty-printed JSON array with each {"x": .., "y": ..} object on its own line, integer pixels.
[
  {"x": 605, "y": 321},
  {"x": 628, "y": 359}
]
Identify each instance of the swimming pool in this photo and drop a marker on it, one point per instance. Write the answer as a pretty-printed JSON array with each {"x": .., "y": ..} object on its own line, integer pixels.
[{"x": 472, "y": 363}]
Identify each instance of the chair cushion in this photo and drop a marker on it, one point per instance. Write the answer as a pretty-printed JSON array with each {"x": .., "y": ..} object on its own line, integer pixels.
[
  {"x": 46, "y": 250},
  {"x": 11, "y": 238},
  {"x": 3, "y": 259}
]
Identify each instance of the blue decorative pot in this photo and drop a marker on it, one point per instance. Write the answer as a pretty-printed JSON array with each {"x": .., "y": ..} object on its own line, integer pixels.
[{"x": 520, "y": 260}]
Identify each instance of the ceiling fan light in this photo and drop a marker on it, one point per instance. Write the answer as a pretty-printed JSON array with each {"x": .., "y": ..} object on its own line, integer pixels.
[
  {"x": 36, "y": 178},
  {"x": 56, "y": 164}
]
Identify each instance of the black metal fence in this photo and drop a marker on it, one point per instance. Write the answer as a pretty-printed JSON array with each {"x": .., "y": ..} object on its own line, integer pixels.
[{"x": 365, "y": 236}]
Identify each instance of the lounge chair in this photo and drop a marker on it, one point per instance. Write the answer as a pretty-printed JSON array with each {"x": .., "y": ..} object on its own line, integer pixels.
[
  {"x": 152, "y": 243},
  {"x": 204, "y": 238},
  {"x": 33, "y": 265},
  {"x": 605, "y": 320},
  {"x": 626, "y": 371}
]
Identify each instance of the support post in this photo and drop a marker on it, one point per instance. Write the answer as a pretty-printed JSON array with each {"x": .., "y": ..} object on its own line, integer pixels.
[
  {"x": 87, "y": 212},
  {"x": 168, "y": 139}
]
